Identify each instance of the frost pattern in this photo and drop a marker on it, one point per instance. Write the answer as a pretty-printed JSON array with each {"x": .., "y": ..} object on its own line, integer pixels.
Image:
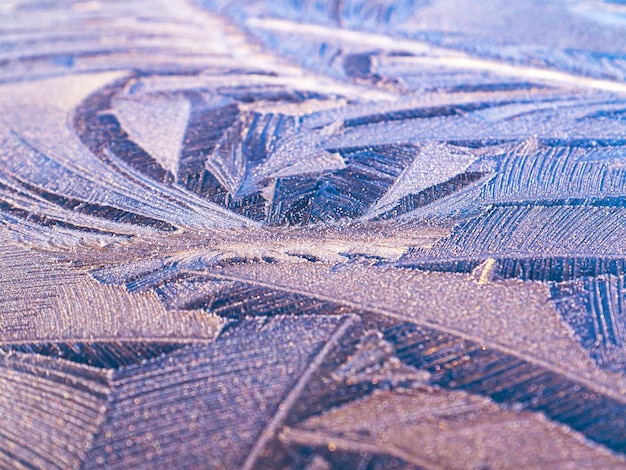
[{"x": 309, "y": 235}]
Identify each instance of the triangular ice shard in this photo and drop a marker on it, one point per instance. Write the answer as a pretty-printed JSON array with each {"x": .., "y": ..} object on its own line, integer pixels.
[
  {"x": 315, "y": 160},
  {"x": 435, "y": 163},
  {"x": 157, "y": 124}
]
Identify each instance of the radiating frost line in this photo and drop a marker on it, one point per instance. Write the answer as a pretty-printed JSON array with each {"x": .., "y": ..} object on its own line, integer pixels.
[
  {"x": 110, "y": 339},
  {"x": 447, "y": 57},
  {"x": 320, "y": 438},
  {"x": 270, "y": 430},
  {"x": 436, "y": 326}
]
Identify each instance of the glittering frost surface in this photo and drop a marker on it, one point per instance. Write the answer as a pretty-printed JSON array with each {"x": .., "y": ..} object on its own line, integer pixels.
[{"x": 313, "y": 235}]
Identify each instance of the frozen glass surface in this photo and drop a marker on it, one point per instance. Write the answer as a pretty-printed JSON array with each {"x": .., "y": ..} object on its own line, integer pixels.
[{"x": 360, "y": 234}]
